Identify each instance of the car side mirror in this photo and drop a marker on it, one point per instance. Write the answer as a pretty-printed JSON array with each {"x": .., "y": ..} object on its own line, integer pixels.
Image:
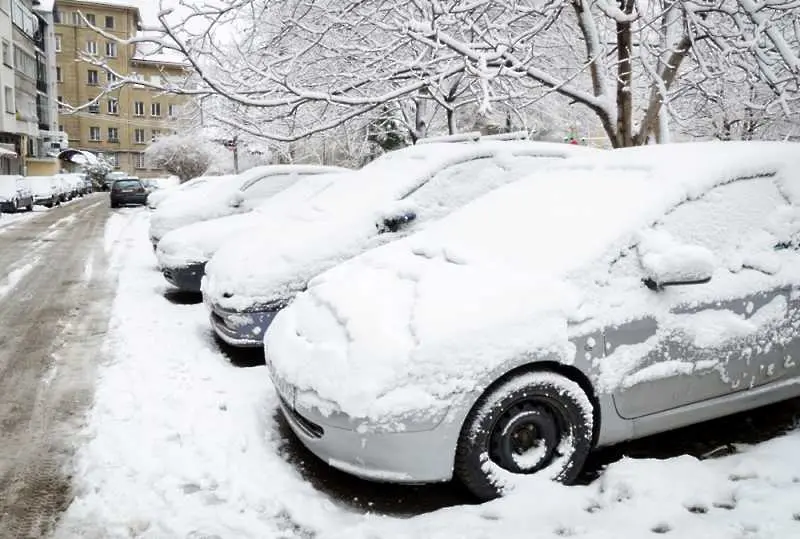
[
  {"x": 236, "y": 200},
  {"x": 677, "y": 265},
  {"x": 395, "y": 222}
]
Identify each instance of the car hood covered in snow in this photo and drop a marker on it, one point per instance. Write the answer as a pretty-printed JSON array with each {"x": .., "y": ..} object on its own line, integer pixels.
[
  {"x": 8, "y": 188},
  {"x": 199, "y": 241},
  {"x": 277, "y": 262},
  {"x": 413, "y": 323}
]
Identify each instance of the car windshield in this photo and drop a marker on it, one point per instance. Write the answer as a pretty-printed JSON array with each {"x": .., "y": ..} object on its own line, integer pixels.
[{"x": 127, "y": 184}]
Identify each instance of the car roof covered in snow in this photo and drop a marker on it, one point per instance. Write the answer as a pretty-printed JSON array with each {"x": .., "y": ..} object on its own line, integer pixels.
[{"x": 580, "y": 207}]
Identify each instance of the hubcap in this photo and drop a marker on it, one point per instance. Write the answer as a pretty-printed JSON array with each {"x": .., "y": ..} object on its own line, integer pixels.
[{"x": 525, "y": 437}]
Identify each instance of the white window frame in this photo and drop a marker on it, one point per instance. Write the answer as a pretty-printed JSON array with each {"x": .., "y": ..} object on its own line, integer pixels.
[
  {"x": 92, "y": 131},
  {"x": 112, "y": 106},
  {"x": 91, "y": 46},
  {"x": 136, "y": 138},
  {"x": 111, "y": 49},
  {"x": 155, "y": 110}
]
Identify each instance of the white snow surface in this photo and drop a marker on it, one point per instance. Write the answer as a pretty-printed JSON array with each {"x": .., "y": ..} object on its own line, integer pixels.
[
  {"x": 198, "y": 242},
  {"x": 227, "y": 195},
  {"x": 440, "y": 313},
  {"x": 156, "y": 198},
  {"x": 277, "y": 261},
  {"x": 180, "y": 443}
]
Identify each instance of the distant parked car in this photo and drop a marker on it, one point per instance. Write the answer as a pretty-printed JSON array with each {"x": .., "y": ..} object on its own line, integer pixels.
[
  {"x": 228, "y": 195},
  {"x": 182, "y": 254},
  {"x": 15, "y": 194},
  {"x": 47, "y": 190},
  {"x": 156, "y": 198},
  {"x": 250, "y": 278},
  {"x": 611, "y": 298},
  {"x": 128, "y": 191},
  {"x": 74, "y": 183}
]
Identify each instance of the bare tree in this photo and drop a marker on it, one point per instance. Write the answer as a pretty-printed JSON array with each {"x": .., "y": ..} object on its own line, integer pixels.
[{"x": 295, "y": 68}]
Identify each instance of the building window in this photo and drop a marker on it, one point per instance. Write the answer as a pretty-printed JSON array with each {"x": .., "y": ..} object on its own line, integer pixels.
[
  {"x": 92, "y": 78},
  {"x": 58, "y": 43},
  {"x": 155, "y": 135},
  {"x": 110, "y": 77},
  {"x": 111, "y": 49},
  {"x": 155, "y": 109},
  {"x": 76, "y": 18},
  {"x": 94, "y": 108},
  {"x": 94, "y": 134},
  {"x": 138, "y": 108},
  {"x": 7, "y": 53},
  {"x": 91, "y": 47},
  {"x": 56, "y": 16},
  {"x": 113, "y": 106},
  {"x": 61, "y": 128},
  {"x": 138, "y": 136},
  {"x": 109, "y": 21},
  {"x": 90, "y": 19},
  {"x": 172, "y": 110},
  {"x": 59, "y": 76},
  {"x": 138, "y": 160},
  {"x": 113, "y": 134},
  {"x": 10, "y": 100},
  {"x": 60, "y": 101}
]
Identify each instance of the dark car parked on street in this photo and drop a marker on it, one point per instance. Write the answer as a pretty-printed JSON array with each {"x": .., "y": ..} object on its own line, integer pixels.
[{"x": 127, "y": 191}]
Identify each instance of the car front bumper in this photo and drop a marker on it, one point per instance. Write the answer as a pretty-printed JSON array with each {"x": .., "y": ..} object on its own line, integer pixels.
[
  {"x": 411, "y": 457},
  {"x": 241, "y": 329},
  {"x": 186, "y": 278}
]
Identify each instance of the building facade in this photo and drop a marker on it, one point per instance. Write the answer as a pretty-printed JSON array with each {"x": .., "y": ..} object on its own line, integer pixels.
[
  {"x": 121, "y": 123},
  {"x": 28, "y": 122}
]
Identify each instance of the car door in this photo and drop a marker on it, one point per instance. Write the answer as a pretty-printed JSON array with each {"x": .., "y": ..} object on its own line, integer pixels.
[{"x": 694, "y": 342}]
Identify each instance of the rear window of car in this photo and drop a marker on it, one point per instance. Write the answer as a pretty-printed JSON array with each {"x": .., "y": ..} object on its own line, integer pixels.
[{"x": 127, "y": 184}]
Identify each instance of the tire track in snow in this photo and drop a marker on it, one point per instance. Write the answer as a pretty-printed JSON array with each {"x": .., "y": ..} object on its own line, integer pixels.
[{"x": 51, "y": 328}]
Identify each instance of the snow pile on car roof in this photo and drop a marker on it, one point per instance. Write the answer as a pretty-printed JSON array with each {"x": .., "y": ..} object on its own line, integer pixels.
[{"x": 411, "y": 325}]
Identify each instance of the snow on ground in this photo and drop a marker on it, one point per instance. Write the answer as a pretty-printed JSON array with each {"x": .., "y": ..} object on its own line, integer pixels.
[{"x": 181, "y": 443}]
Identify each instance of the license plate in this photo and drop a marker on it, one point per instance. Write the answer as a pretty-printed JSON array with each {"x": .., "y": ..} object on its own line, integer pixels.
[
  {"x": 284, "y": 388},
  {"x": 127, "y": 190}
]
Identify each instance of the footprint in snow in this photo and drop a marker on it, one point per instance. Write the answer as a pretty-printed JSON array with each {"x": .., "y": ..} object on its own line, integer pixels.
[
  {"x": 661, "y": 528},
  {"x": 697, "y": 509}
]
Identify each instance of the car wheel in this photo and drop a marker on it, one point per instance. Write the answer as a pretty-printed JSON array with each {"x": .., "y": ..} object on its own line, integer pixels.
[
  {"x": 29, "y": 207},
  {"x": 528, "y": 423}
]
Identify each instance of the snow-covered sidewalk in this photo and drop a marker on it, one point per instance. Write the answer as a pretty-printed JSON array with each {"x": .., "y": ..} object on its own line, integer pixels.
[{"x": 181, "y": 443}]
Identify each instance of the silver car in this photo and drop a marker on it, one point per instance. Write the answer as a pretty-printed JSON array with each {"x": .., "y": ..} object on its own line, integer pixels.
[{"x": 614, "y": 297}]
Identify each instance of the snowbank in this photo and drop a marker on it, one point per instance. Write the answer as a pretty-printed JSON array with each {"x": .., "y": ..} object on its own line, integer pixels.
[{"x": 180, "y": 443}]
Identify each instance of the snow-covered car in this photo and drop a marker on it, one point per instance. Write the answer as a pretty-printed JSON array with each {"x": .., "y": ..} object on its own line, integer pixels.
[
  {"x": 15, "y": 194},
  {"x": 47, "y": 191},
  {"x": 182, "y": 254},
  {"x": 251, "y": 278},
  {"x": 227, "y": 195},
  {"x": 154, "y": 199},
  {"x": 74, "y": 185},
  {"x": 644, "y": 290}
]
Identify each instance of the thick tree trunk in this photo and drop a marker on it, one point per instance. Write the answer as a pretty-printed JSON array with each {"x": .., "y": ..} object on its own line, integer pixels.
[{"x": 624, "y": 134}]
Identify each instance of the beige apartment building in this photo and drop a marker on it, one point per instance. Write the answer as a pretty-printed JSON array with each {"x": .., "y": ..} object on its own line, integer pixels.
[{"x": 122, "y": 123}]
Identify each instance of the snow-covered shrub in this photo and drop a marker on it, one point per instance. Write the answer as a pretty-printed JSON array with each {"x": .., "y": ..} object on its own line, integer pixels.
[{"x": 186, "y": 156}]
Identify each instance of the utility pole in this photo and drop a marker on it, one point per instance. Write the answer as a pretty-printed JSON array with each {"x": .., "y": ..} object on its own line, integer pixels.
[{"x": 236, "y": 154}]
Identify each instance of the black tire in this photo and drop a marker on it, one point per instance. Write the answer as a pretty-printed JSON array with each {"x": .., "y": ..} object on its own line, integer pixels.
[
  {"x": 114, "y": 205},
  {"x": 530, "y": 410}
]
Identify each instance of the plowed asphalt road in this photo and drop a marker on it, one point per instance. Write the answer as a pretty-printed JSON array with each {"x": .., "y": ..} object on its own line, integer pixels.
[{"x": 55, "y": 298}]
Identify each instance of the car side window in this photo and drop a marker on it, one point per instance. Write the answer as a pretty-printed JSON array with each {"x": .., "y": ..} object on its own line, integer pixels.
[
  {"x": 459, "y": 184},
  {"x": 733, "y": 220},
  {"x": 268, "y": 186}
]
